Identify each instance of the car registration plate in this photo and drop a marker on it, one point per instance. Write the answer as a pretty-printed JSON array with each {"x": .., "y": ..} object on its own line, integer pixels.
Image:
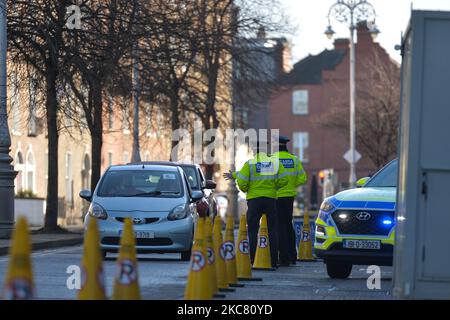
[
  {"x": 362, "y": 244},
  {"x": 142, "y": 234}
]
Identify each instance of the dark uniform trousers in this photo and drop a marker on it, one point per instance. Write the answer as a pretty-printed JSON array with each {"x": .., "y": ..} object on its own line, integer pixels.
[
  {"x": 256, "y": 207},
  {"x": 286, "y": 233}
]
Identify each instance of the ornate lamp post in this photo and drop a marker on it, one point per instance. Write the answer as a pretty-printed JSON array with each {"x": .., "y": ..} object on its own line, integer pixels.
[
  {"x": 7, "y": 173},
  {"x": 350, "y": 13}
]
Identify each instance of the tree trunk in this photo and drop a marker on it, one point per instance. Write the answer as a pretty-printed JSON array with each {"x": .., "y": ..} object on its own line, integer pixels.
[
  {"x": 51, "y": 210},
  {"x": 96, "y": 134}
]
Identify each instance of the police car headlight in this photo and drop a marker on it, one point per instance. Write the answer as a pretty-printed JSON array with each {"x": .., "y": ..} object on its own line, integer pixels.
[
  {"x": 327, "y": 206},
  {"x": 179, "y": 212},
  {"x": 97, "y": 211}
]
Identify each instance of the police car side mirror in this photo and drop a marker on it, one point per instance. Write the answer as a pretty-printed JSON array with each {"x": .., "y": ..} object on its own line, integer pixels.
[
  {"x": 361, "y": 182},
  {"x": 86, "y": 195}
]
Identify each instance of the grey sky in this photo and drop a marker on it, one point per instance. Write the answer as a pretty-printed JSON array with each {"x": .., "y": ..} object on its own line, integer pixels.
[{"x": 310, "y": 18}]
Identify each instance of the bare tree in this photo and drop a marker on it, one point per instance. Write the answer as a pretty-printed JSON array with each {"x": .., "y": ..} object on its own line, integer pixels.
[
  {"x": 378, "y": 110},
  {"x": 36, "y": 38}
]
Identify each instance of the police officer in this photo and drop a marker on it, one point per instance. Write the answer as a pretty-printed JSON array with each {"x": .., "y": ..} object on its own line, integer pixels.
[
  {"x": 285, "y": 201},
  {"x": 260, "y": 178}
]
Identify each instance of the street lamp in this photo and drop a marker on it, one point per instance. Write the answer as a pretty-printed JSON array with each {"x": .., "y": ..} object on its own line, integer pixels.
[
  {"x": 7, "y": 173},
  {"x": 350, "y": 13}
]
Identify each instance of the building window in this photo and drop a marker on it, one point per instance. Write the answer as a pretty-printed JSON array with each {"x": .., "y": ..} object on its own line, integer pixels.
[
  {"x": 32, "y": 118},
  {"x": 110, "y": 113},
  {"x": 301, "y": 145},
  {"x": 30, "y": 171},
  {"x": 126, "y": 156},
  {"x": 300, "y": 102},
  {"x": 19, "y": 166},
  {"x": 110, "y": 158},
  {"x": 126, "y": 115},
  {"x": 69, "y": 178},
  {"x": 15, "y": 105},
  {"x": 85, "y": 172}
]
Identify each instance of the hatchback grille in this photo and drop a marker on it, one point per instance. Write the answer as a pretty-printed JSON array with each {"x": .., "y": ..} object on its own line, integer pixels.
[
  {"x": 115, "y": 241},
  {"x": 373, "y": 226},
  {"x": 147, "y": 220}
]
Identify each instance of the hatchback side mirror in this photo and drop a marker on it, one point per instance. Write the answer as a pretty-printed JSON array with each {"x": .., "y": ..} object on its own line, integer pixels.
[
  {"x": 86, "y": 195},
  {"x": 196, "y": 196},
  {"x": 209, "y": 184}
]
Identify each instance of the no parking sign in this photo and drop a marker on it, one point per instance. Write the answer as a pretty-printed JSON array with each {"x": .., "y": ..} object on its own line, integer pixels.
[{"x": 298, "y": 224}]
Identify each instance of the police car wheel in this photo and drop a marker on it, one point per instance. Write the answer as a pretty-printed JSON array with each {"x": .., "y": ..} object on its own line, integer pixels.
[
  {"x": 186, "y": 255},
  {"x": 339, "y": 270}
]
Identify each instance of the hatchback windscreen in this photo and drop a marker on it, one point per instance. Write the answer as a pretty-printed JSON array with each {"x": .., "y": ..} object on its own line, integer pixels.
[
  {"x": 387, "y": 177},
  {"x": 141, "y": 183}
]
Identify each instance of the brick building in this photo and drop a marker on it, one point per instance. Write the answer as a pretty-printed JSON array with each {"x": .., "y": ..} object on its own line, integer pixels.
[{"x": 315, "y": 85}]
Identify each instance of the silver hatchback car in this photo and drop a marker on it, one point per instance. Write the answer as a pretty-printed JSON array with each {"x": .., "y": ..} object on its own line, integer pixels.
[{"x": 157, "y": 198}]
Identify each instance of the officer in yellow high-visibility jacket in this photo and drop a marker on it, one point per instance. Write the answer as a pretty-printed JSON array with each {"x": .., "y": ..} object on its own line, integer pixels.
[
  {"x": 285, "y": 202},
  {"x": 260, "y": 178}
]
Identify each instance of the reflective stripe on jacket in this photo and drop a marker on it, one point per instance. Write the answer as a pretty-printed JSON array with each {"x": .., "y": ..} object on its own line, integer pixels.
[
  {"x": 261, "y": 176},
  {"x": 295, "y": 172}
]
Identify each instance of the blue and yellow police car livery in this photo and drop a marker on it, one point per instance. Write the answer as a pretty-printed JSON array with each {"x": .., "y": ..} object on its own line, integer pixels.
[{"x": 357, "y": 226}]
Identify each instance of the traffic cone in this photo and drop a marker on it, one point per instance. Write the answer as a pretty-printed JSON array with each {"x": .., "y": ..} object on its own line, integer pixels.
[
  {"x": 126, "y": 280},
  {"x": 221, "y": 268},
  {"x": 211, "y": 259},
  {"x": 19, "y": 278},
  {"x": 262, "y": 258},
  {"x": 305, "y": 244},
  {"x": 244, "y": 265},
  {"x": 198, "y": 287},
  {"x": 92, "y": 279},
  {"x": 229, "y": 252}
]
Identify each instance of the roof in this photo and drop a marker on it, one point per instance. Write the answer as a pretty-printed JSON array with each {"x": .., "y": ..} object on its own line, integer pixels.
[
  {"x": 309, "y": 70},
  {"x": 138, "y": 166},
  {"x": 163, "y": 163}
]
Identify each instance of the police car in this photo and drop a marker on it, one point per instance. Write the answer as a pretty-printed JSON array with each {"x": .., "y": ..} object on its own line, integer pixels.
[{"x": 357, "y": 226}]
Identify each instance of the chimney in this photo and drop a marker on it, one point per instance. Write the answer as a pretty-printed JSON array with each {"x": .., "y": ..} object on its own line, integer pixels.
[
  {"x": 342, "y": 43},
  {"x": 363, "y": 33},
  {"x": 261, "y": 34}
]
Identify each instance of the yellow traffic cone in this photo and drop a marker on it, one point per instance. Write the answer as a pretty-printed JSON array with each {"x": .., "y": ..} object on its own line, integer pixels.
[
  {"x": 211, "y": 259},
  {"x": 221, "y": 268},
  {"x": 305, "y": 244},
  {"x": 198, "y": 287},
  {"x": 126, "y": 280},
  {"x": 19, "y": 278},
  {"x": 262, "y": 258},
  {"x": 244, "y": 266},
  {"x": 92, "y": 280},
  {"x": 229, "y": 252}
]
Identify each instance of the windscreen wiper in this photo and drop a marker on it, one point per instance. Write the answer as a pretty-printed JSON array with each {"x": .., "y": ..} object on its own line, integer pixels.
[{"x": 142, "y": 194}]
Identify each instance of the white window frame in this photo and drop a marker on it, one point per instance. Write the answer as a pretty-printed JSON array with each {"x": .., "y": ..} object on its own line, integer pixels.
[
  {"x": 20, "y": 167},
  {"x": 300, "y": 145},
  {"x": 300, "y": 102},
  {"x": 30, "y": 168},
  {"x": 69, "y": 177}
]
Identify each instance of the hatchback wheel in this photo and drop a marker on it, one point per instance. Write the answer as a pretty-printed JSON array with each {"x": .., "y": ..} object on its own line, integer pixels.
[{"x": 339, "y": 270}]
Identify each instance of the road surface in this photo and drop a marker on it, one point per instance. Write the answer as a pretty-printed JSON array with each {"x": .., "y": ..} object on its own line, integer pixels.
[{"x": 163, "y": 276}]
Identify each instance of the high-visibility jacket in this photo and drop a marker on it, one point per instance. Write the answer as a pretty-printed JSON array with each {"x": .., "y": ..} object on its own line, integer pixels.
[
  {"x": 294, "y": 171},
  {"x": 261, "y": 176}
]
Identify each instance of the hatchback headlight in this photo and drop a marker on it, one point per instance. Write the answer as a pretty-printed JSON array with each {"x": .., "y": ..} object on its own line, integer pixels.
[
  {"x": 97, "y": 211},
  {"x": 179, "y": 212}
]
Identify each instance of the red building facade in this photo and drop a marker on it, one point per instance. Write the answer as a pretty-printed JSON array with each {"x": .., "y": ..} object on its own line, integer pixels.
[{"x": 314, "y": 86}]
